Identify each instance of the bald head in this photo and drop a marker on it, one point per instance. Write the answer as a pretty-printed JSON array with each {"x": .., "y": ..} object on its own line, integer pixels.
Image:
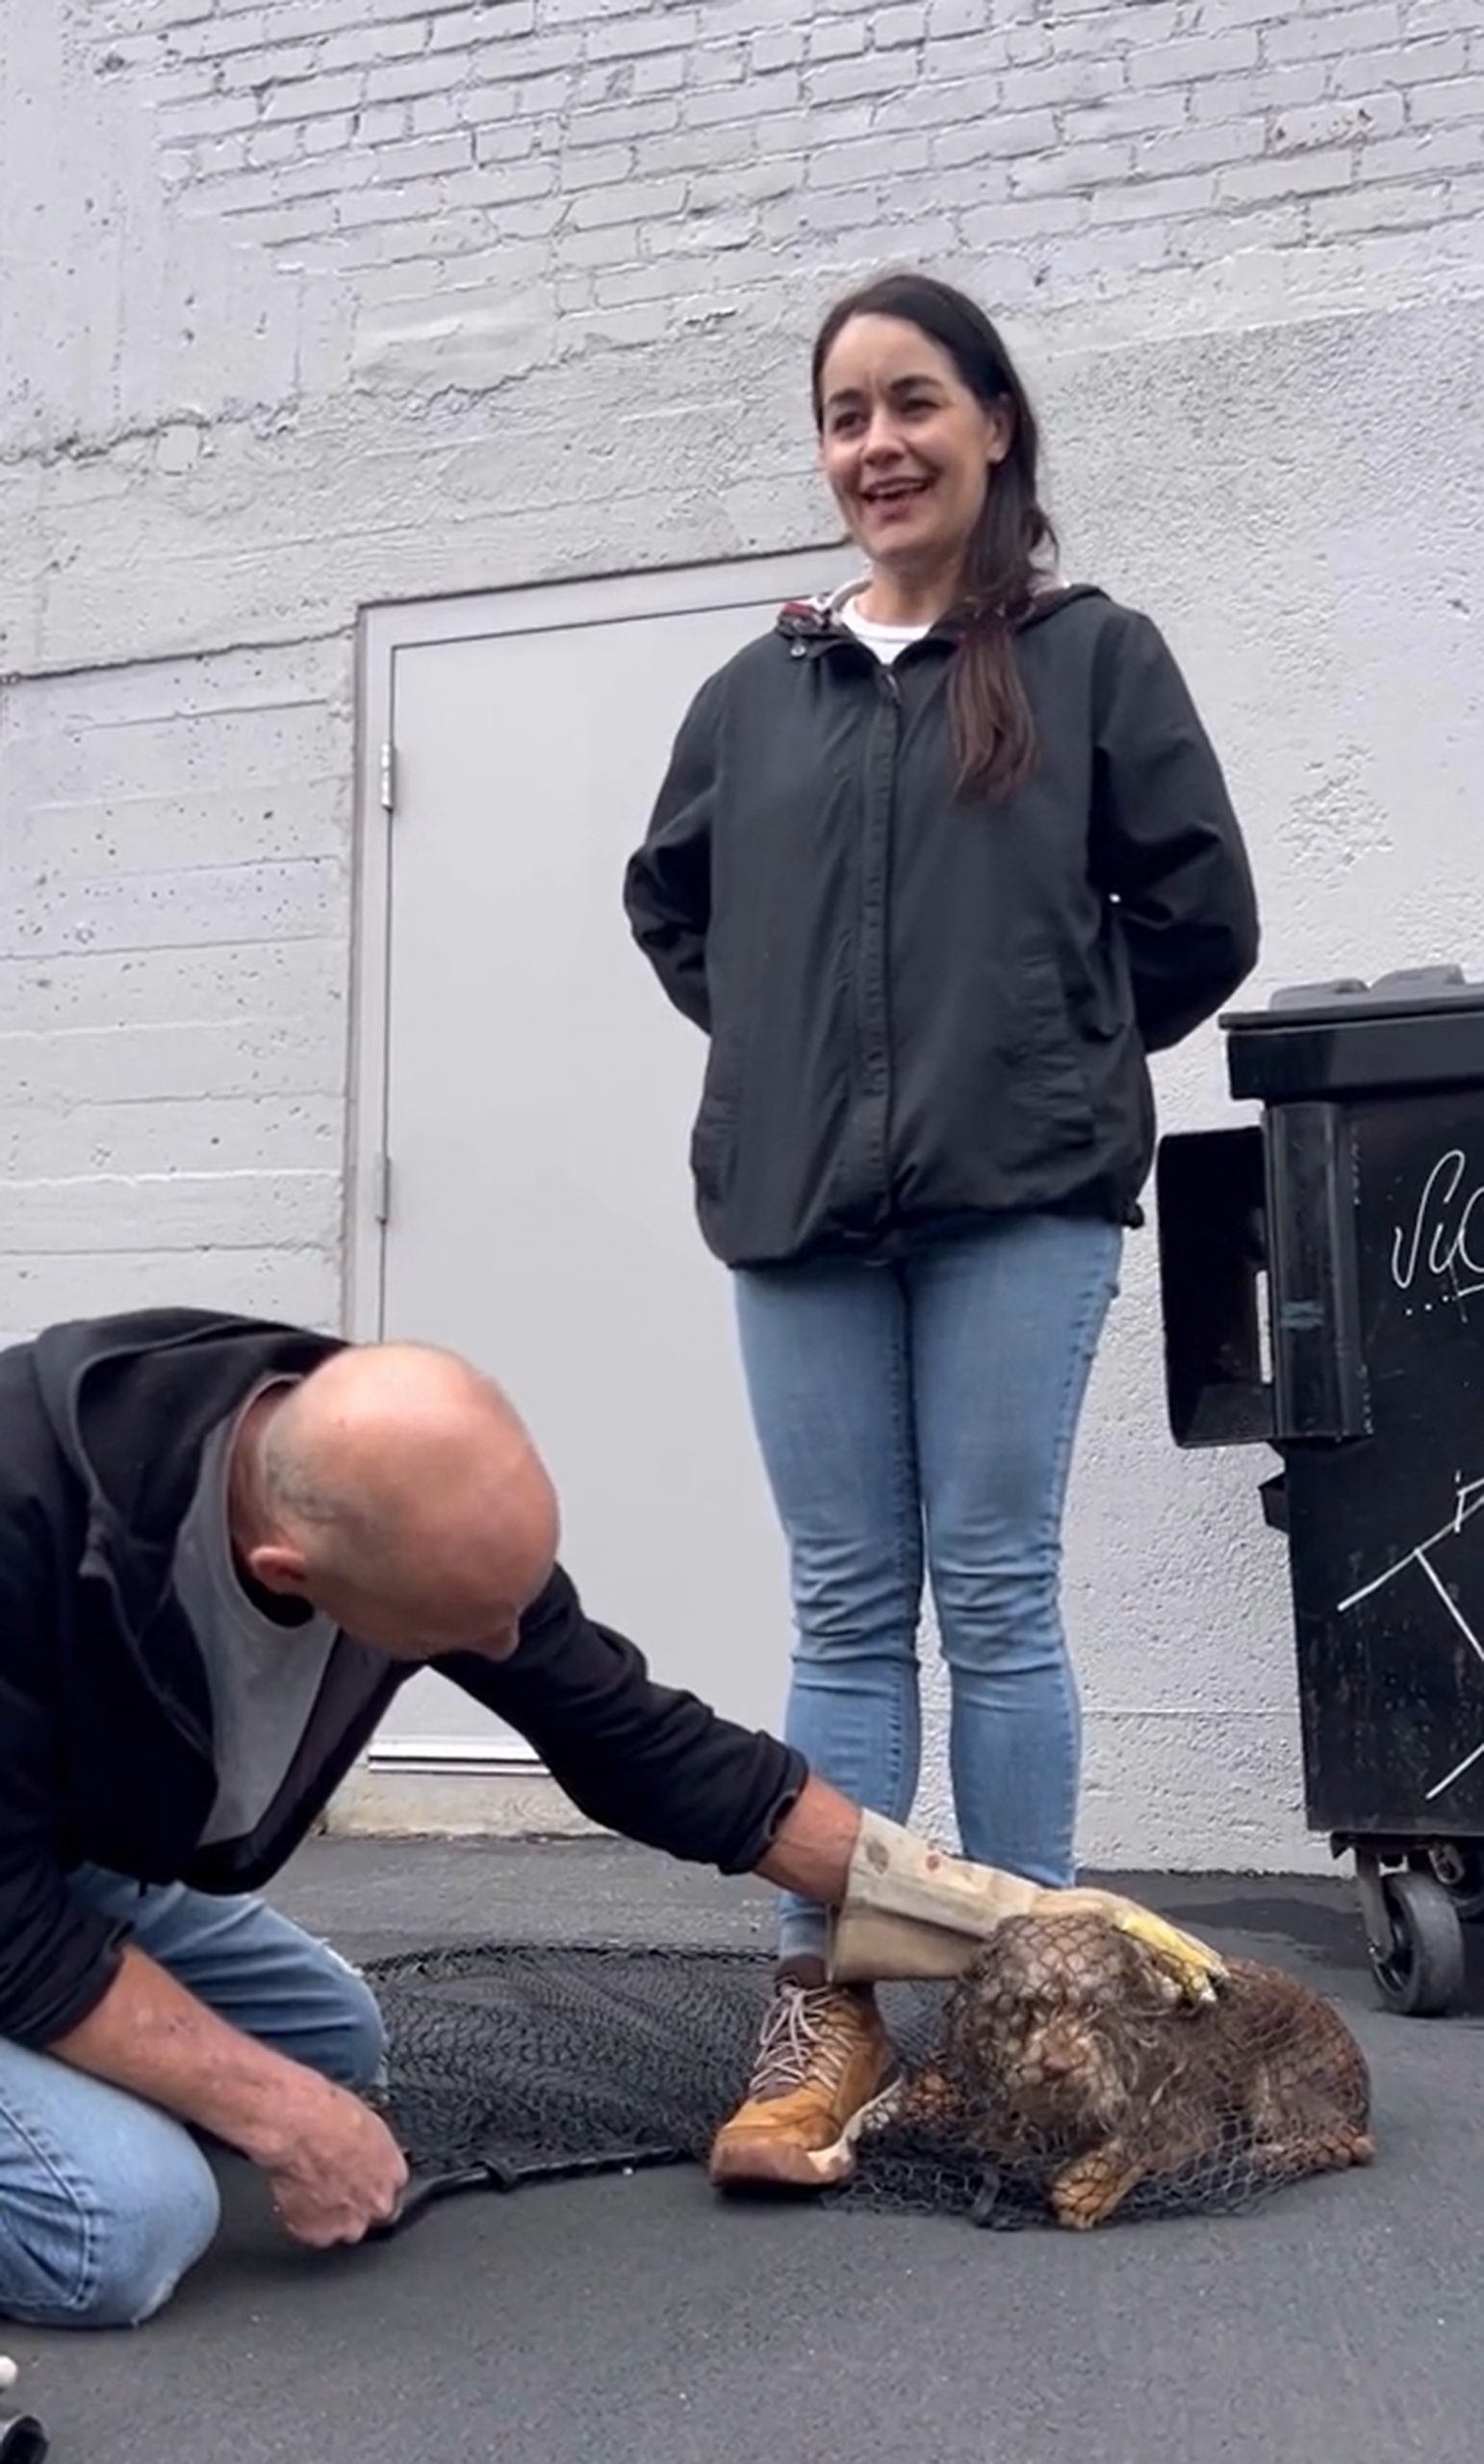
[{"x": 398, "y": 1489}]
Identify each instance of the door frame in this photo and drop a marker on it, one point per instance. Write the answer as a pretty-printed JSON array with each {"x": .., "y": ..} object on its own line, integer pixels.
[{"x": 383, "y": 632}]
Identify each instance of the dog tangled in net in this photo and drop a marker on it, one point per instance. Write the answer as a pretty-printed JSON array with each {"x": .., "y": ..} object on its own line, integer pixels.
[
  {"x": 1058, "y": 2080},
  {"x": 1068, "y": 2076}
]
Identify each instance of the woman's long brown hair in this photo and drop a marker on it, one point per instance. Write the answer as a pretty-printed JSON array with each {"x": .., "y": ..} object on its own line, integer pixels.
[{"x": 994, "y": 733}]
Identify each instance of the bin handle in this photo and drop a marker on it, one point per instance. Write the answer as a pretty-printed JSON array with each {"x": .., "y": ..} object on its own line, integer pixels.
[{"x": 1320, "y": 1390}]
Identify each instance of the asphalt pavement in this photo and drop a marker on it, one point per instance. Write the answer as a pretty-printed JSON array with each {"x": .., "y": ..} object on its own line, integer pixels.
[{"x": 637, "y": 2321}]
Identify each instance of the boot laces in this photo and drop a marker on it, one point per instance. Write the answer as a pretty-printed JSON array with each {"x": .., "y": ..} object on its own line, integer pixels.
[{"x": 807, "y": 2039}]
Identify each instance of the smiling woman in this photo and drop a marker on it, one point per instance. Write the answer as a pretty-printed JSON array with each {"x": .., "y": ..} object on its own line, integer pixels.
[
  {"x": 908, "y": 449},
  {"x": 936, "y": 865},
  {"x": 930, "y": 445}
]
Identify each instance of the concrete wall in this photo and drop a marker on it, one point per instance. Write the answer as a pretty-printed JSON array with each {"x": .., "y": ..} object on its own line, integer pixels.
[{"x": 310, "y": 303}]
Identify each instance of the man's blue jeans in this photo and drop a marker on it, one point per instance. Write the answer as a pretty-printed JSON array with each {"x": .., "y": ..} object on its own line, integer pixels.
[
  {"x": 920, "y": 1417},
  {"x": 105, "y": 2201}
]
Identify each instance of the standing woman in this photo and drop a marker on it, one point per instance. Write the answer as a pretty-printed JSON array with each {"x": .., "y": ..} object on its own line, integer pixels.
[{"x": 937, "y": 864}]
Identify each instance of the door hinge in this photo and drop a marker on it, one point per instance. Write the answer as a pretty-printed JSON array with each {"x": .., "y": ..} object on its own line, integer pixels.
[
  {"x": 381, "y": 1188},
  {"x": 388, "y": 777}
]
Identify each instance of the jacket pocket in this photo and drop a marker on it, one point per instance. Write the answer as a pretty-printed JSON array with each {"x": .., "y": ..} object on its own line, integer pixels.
[
  {"x": 1107, "y": 1013},
  {"x": 1048, "y": 1097},
  {"x": 713, "y": 1136}
]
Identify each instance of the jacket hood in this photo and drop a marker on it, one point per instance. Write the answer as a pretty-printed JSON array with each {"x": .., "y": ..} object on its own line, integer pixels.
[
  {"x": 818, "y": 620},
  {"x": 131, "y": 1399}
]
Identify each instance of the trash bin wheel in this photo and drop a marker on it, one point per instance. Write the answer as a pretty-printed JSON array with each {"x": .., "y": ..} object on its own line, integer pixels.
[
  {"x": 1423, "y": 1972},
  {"x": 1458, "y": 1864},
  {"x": 22, "y": 2440}
]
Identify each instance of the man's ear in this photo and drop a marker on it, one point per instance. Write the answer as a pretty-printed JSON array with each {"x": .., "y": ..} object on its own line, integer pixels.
[{"x": 278, "y": 1567}]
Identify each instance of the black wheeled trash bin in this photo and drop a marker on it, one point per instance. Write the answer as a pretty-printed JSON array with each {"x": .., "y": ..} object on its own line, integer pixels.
[{"x": 1323, "y": 1289}]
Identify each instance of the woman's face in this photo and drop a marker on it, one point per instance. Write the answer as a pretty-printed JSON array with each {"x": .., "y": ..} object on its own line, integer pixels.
[{"x": 908, "y": 448}]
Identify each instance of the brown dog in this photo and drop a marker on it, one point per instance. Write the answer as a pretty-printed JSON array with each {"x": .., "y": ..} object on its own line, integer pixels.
[{"x": 1066, "y": 2053}]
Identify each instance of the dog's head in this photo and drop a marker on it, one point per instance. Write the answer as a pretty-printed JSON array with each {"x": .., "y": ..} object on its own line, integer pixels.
[{"x": 1052, "y": 2025}]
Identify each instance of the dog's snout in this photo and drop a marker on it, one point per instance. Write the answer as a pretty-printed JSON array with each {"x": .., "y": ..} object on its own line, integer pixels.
[{"x": 1061, "y": 2053}]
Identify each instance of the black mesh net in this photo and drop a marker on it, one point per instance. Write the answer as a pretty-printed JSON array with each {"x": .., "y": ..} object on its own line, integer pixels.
[{"x": 1057, "y": 2082}]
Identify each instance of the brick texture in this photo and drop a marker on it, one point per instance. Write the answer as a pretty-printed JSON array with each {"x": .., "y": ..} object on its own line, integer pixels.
[{"x": 359, "y": 132}]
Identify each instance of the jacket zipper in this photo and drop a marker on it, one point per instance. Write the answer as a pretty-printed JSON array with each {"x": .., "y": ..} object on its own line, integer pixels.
[{"x": 872, "y": 1001}]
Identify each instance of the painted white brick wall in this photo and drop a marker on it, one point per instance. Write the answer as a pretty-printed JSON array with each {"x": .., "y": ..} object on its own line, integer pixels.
[
  {"x": 704, "y": 141},
  {"x": 311, "y": 303}
]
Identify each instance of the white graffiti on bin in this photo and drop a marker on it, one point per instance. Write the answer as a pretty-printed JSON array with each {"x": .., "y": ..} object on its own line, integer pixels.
[
  {"x": 1444, "y": 1237},
  {"x": 1467, "y": 1500}
]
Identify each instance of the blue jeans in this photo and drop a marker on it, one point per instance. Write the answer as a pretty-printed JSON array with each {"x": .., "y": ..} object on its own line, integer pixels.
[
  {"x": 105, "y": 2201},
  {"x": 924, "y": 1414}
]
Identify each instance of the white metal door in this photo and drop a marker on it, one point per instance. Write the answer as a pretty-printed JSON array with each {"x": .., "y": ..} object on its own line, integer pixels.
[{"x": 531, "y": 1093}]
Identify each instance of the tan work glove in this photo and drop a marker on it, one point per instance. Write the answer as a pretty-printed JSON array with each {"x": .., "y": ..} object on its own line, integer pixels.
[{"x": 909, "y": 1911}]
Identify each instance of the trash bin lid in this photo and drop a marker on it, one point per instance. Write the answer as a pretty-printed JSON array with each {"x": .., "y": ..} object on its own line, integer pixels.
[{"x": 1415, "y": 1028}]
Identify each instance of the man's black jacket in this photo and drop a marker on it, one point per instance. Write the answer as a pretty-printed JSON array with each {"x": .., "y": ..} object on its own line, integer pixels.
[{"x": 105, "y": 1713}]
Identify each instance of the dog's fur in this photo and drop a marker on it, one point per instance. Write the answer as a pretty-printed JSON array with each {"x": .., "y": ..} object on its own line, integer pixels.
[{"x": 1065, "y": 2052}]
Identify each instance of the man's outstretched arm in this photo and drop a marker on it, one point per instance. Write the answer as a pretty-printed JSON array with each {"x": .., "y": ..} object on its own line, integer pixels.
[
  {"x": 660, "y": 1766},
  {"x": 813, "y": 1845},
  {"x": 651, "y": 1762}
]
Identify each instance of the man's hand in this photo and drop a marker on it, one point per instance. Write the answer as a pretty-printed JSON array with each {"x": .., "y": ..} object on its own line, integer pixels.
[
  {"x": 905, "y": 1909},
  {"x": 1192, "y": 1967},
  {"x": 335, "y": 2169},
  {"x": 339, "y": 2172}
]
